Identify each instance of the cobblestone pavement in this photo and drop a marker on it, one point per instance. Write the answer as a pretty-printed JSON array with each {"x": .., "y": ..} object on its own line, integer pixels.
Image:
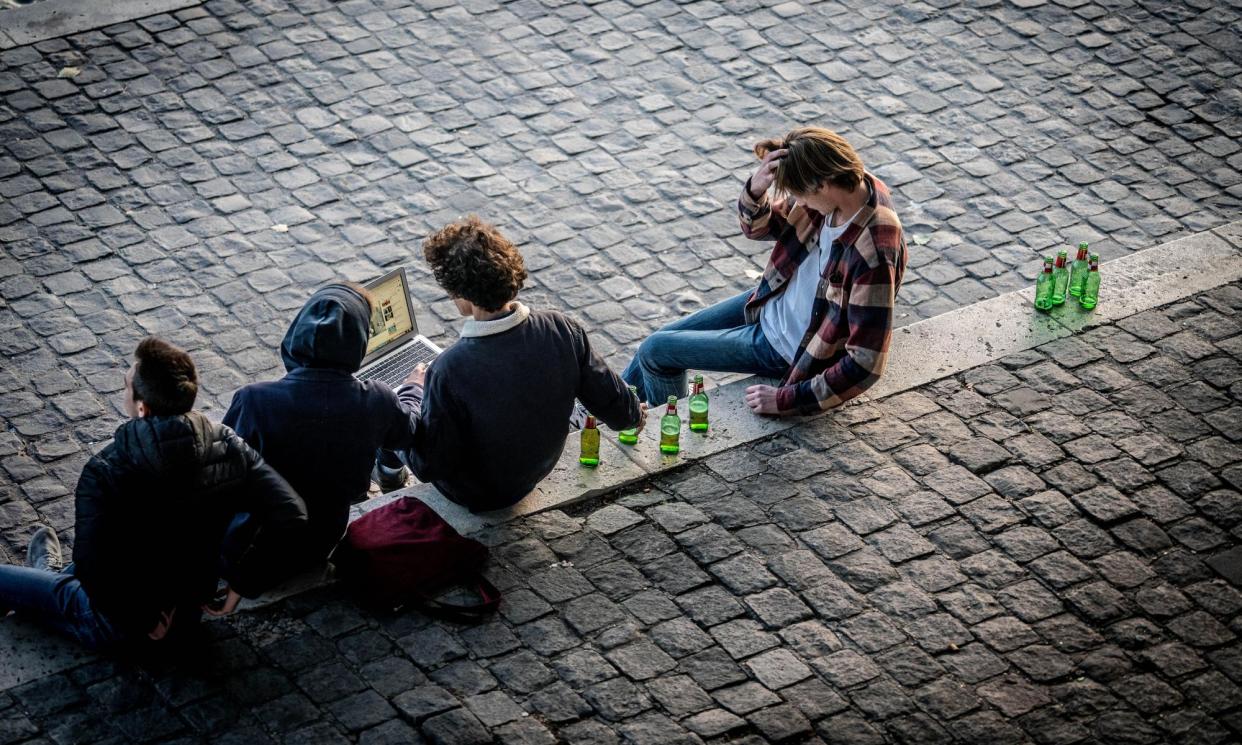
[
  {"x": 197, "y": 174},
  {"x": 1017, "y": 554}
]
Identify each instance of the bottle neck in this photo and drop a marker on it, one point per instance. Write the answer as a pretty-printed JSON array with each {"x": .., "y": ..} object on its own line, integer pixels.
[
  {"x": 1060, "y": 261},
  {"x": 1082, "y": 254}
]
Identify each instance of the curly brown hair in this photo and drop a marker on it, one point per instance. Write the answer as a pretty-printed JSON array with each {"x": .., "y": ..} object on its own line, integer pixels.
[{"x": 471, "y": 260}]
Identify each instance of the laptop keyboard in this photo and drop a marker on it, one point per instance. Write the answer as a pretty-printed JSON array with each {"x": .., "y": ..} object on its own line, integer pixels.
[{"x": 395, "y": 369}]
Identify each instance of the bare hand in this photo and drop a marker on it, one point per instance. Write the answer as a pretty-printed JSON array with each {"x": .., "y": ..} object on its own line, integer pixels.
[
  {"x": 225, "y": 607},
  {"x": 762, "y": 399},
  {"x": 763, "y": 177},
  {"x": 642, "y": 418},
  {"x": 417, "y": 376},
  {"x": 161, "y": 629}
]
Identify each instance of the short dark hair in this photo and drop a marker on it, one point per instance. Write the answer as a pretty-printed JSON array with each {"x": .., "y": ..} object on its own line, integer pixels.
[
  {"x": 164, "y": 377},
  {"x": 473, "y": 261}
]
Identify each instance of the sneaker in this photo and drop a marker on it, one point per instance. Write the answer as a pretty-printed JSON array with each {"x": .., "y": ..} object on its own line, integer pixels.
[
  {"x": 389, "y": 479},
  {"x": 44, "y": 551}
]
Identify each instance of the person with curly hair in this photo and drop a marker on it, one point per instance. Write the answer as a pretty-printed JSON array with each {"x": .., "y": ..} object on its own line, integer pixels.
[
  {"x": 821, "y": 319},
  {"x": 493, "y": 409}
]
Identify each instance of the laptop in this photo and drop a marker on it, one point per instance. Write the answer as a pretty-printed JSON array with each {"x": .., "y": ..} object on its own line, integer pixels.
[{"x": 395, "y": 346}]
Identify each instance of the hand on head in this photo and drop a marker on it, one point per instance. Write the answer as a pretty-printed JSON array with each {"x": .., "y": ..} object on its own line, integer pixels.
[{"x": 763, "y": 176}]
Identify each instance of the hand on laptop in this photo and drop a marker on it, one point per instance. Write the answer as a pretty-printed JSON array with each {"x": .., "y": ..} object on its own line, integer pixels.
[{"x": 417, "y": 376}]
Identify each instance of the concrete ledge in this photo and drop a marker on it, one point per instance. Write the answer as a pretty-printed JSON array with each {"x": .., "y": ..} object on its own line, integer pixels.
[
  {"x": 920, "y": 354},
  {"x": 51, "y": 19}
]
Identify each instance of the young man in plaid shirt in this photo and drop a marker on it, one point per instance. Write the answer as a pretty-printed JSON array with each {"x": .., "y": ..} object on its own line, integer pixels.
[{"x": 822, "y": 317}]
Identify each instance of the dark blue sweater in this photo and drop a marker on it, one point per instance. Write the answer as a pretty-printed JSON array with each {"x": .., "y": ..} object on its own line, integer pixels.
[
  {"x": 495, "y": 414},
  {"x": 319, "y": 426}
]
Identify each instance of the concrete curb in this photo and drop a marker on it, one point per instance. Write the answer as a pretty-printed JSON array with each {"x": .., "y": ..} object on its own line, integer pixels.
[
  {"x": 921, "y": 353},
  {"x": 51, "y": 19}
]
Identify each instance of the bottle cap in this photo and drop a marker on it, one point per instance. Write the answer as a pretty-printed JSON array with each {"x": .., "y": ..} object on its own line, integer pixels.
[
  {"x": 590, "y": 422},
  {"x": 672, "y": 400}
]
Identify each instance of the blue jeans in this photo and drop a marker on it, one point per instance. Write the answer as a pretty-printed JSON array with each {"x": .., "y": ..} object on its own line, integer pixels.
[
  {"x": 57, "y": 600},
  {"x": 716, "y": 339}
]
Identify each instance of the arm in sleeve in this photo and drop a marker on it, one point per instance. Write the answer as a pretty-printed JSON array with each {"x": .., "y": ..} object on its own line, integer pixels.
[
  {"x": 438, "y": 435},
  {"x": 402, "y": 417},
  {"x": 281, "y": 525},
  {"x": 600, "y": 389},
  {"x": 870, "y": 314},
  {"x": 238, "y": 419},
  {"x": 761, "y": 219}
]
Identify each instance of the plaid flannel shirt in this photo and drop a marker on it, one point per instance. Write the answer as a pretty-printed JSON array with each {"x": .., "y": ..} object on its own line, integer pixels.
[{"x": 845, "y": 347}]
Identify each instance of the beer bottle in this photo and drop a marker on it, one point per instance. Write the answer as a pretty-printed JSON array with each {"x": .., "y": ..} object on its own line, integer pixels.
[
  {"x": 1078, "y": 272},
  {"x": 590, "y": 443},
  {"x": 629, "y": 436},
  {"x": 670, "y": 428},
  {"x": 1060, "y": 279},
  {"x": 1091, "y": 288},
  {"x": 698, "y": 406},
  {"x": 1043, "y": 286}
]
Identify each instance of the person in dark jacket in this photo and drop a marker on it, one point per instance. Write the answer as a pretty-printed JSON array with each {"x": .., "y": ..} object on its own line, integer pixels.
[
  {"x": 151, "y": 510},
  {"x": 493, "y": 409},
  {"x": 319, "y": 426}
]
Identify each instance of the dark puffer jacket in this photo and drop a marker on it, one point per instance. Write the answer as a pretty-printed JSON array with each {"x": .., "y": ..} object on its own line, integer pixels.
[
  {"x": 153, "y": 507},
  {"x": 319, "y": 426}
]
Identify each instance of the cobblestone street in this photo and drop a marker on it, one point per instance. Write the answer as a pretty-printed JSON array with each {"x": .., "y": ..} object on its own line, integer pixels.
[
  {"x": 1030, "y": 551},
  {"x": 198, "y": 174},
  {"x": 1017, "y": 554}
]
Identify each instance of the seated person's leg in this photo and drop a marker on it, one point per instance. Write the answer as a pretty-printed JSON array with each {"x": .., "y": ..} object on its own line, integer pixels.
[
  {"x": 55, "y": 600},
  {"x": 727, "y": 314},
  {"x": 664, "y": 357}
]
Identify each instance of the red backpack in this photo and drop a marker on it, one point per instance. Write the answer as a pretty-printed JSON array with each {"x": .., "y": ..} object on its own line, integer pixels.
[{"x": 404, "y": 554}]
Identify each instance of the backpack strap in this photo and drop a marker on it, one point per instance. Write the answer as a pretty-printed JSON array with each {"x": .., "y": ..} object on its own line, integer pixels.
[{"x": 461, "y": 613}]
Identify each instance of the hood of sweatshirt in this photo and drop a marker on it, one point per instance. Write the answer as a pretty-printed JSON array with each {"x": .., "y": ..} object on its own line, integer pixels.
[{"x": 330, "y": 331}]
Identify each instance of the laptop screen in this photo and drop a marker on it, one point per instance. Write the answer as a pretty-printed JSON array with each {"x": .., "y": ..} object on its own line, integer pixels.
[{"x": 390, "y": 318}]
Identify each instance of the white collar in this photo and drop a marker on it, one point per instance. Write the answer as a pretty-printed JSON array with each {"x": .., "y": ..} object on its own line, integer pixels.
[{"x": 497, "y": 326}]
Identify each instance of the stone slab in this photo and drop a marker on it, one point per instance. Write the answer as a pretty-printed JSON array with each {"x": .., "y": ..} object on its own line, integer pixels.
[
  {"x": 1156, "y": 277},
  {"x": 51, "y": 19},
  {"x": 730, "y": 423},
  {"x": 30, "y": 652},
  {"x": 1231, "y": 232},
  {"x": 1229, "y": 564},
  {"x": 961, "y": 339}
]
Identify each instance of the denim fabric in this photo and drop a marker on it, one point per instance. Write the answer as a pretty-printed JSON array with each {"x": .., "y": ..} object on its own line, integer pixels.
[
  {"x": 716, "y": 339},
  {"x": 56, "y": 600}
]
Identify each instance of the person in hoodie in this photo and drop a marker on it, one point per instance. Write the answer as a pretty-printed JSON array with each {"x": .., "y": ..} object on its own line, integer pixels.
[
  {"x": 319, "y": 426},
  {"x": 151, "y": 510},
  {"x": 494, "y": 408}
]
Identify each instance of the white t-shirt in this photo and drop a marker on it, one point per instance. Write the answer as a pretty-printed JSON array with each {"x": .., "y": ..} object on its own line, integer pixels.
[{"x": 786, "y": 317}]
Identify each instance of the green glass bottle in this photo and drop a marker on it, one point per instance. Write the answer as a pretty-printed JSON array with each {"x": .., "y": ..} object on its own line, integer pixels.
[
  {"x": 590, "y": 443},
  {"x": 670, "y": 428},
  {"x": 1078, "y": 271},
  {"x": 698, "y": 406},
  {"x": 1091, "y": 288},
  {"x": 1060, "y": 279},
  {"x": 1043, "y": 286},
  {"x": 629, "y": 436}
]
